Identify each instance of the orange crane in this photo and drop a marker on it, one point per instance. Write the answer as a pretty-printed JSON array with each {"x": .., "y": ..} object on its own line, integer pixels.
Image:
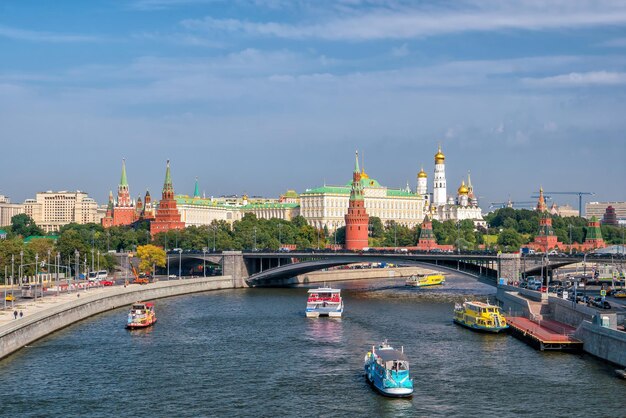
[{"x": 138, "y": 279}]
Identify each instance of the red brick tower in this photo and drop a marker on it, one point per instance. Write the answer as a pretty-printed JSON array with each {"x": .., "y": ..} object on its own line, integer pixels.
[
  {"x": 545, "y": 240},
  {"x": 123, "y": 212},
  {"x": 107, "y": 221},
  {"x": 594, "y": 234},
  {"x": 167, "y": 216},
  {"x": 427, "y": 239},
  {"x": 541, "y": 203},
  {"x": 357, "y": 219}
]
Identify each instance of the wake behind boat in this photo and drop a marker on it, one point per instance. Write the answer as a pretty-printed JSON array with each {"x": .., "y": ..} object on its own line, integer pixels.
[
  {"x": 387, "y": 370},
  {"x": 141, "y": 315},
  {"x": 324, "y": 301}
]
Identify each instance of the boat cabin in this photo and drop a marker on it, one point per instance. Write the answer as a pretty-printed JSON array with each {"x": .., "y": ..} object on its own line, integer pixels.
[
  {"x": 392, "y": 360},
  {"x": 324, "y": 295}
]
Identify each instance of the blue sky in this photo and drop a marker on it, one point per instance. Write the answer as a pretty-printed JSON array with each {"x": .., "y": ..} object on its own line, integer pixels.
[{"x": 256, "y": 97}]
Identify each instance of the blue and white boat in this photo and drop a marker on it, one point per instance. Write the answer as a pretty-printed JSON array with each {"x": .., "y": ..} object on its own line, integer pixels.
[
  {"x": 387, "y": 369},
  {"x": 324, "y": 301}
]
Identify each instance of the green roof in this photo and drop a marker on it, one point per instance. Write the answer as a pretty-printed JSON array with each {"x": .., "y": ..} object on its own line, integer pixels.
[
  {"x": 270, "y": 206},
  {"x": 399, "y": 193},
  {"x": 123, "y": 180},
  {"x": 328, "y": 189},
  {"x": 199, "y": 201}
]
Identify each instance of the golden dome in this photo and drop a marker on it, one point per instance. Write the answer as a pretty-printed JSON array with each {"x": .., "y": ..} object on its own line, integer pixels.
[
  {"x": 463, "y": 189},
  {"x": 364, "y": 175},
  {"x": 439, "y": 157},
  {"x": 422, "y": 174}
]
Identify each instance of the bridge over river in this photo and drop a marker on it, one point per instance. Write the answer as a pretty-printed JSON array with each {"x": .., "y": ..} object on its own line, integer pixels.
[{"x": 275, "y": 268}]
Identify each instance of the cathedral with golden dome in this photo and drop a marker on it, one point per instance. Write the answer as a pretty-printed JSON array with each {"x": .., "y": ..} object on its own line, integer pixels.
[{"x": 443, "y": 207}]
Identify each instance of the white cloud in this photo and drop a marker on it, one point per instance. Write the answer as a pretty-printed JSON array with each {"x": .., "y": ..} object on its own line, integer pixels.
[
  {"x": 406, "y": 22},
  {"x": 598, "y": 78},
  {"x": 35, "y": 36},
  {"x": 400, "y": 51}
]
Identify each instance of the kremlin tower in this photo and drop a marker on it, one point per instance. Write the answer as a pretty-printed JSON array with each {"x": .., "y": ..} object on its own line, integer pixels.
[
  {"x": 357, "y": 220},
  {"x": 123, "y": 211},
  {"x": 541, "y": 202},
  {"x": 439, "y": 185},
  {"x": 167, "y": 216},
  {"x": 594, "y": 239}
]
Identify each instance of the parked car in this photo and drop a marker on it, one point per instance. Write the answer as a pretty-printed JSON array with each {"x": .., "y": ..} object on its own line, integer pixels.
[{"x": 106, "y": 282}]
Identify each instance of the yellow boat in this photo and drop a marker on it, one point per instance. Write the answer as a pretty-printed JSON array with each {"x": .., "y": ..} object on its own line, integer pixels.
[
  {"x": 620, "y": 293},
  {"x": 421, "y": 280},
  {"x": 480, "y": 316}
]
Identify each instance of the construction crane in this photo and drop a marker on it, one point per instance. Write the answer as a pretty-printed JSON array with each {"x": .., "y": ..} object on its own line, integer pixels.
[{"x": 580, "y": 198}]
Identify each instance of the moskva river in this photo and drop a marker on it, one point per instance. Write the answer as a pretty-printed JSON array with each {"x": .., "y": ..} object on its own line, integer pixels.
[{"x": 253, "y": 353}]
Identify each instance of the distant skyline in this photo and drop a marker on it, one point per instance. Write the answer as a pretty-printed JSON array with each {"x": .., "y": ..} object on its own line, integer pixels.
[{"x": 258, "y": 97}]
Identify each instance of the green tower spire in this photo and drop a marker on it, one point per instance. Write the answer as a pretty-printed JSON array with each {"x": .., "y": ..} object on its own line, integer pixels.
[
  {"x": 168, "y": 176},
  {"x": 196, "y": 190},
  {"x": 356, "y": 192},
  {"x": 123, "y": 180}
]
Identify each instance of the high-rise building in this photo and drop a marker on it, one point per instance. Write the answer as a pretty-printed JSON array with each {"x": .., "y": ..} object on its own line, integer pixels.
[
  {"x": 610, "y": 217},
  {"x": 52, "y": 210},
  {"x": 357, "y": 220},
  {"x": 8, "y": 210},
  {"x": 598, "y": 209}
]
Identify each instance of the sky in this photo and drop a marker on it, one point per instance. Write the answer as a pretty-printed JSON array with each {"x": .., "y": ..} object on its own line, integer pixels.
[{"x": 261, "y": 96}]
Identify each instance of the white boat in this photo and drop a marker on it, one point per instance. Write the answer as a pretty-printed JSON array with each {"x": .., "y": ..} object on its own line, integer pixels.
[{"x": 324, "y": 301}]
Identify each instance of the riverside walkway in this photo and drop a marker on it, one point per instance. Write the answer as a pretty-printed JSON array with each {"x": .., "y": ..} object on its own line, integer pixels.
[{"x": 51, "y": 313}]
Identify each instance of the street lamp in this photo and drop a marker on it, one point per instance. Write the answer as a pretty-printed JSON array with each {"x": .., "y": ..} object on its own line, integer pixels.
[
  {"x": 12, "y": 276},
  {"x": 204, "y": 263},
  {"x": 21, "y": 266},
  {"x": 58, "y": 267},
  {"x": 36, "y": 273},
  {"x": 76, "y": 258},
  {"x": 214, "y": 235},
  {"x": 180, "y": 263},
  {"x": 570, "y": 238},
  {"x": 280, "y": 235},
  {"x": 254, "y": 248}
]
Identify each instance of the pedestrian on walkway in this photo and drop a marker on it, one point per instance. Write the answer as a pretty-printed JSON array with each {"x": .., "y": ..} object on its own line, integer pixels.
[
  {"x": 15, "y": 314},
  {"x": 21, "y": 314}
]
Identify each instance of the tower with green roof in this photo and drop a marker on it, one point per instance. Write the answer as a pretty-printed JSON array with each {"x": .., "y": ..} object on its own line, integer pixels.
[
  {"x": 357, "y": 219},
  {"x": 593, "y": 239}
]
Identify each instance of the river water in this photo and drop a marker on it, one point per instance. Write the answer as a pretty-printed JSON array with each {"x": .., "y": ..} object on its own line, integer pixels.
[{"x": 253, "y": 353}]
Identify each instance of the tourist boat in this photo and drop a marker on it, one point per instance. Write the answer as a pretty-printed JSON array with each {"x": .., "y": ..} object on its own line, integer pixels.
[
  {"x": 480, "y": 316},
  {"x": 422, "y": 280},
  {"x": 324, "y": 301},
  {"x": 387, "y": 370},
  {"x": 621, "y": 373},
  {"x": 141, "y": 315},
  {"x": 620, "y": 293}
]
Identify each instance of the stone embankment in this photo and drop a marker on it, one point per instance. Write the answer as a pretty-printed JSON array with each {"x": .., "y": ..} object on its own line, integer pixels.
[{"x": 53, "y": 314}]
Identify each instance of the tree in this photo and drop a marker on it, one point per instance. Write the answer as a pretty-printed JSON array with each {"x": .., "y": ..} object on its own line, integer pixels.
[
  {"x": 376, "y": 226},
  {"x": 24, "y": 225},
  {"x": 510, "y": 239},
  {"x": 151, "y": 257}
]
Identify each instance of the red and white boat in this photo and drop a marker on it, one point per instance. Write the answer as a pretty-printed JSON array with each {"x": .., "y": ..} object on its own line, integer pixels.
[{"x": 324, "y": 301}]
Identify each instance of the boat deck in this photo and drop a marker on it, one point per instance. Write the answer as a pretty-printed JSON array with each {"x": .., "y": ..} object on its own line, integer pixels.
[{"x": 545, "y": 335}]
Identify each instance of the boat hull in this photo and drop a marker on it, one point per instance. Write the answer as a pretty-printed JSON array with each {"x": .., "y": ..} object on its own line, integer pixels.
[
  {"x": 391, "y": 392},
  {"x": 318, "y": 313},
  {"x": 479, "y": 328},
  {"x": 139, "y": 326}
]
